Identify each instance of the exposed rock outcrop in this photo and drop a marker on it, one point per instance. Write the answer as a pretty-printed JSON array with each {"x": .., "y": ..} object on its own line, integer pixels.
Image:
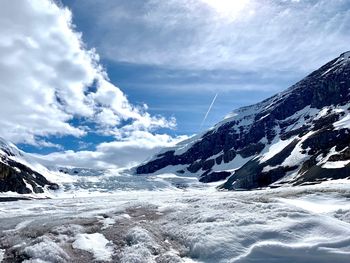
[
  {"x": 19, "y": 177},
  {"x": 298, "y": 136}
]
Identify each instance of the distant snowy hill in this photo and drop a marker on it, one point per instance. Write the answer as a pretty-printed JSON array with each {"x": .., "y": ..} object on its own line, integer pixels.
[
  {"x": 30, "y": 174},
  {"x": 20, "y": 174},
  {"x": 299, "y": 136}
]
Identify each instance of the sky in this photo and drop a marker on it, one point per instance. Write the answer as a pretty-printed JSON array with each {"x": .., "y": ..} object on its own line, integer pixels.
[{"x": 105, "y": 84}]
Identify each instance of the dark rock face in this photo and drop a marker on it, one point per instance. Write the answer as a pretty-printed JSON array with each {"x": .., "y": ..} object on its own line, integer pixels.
[
  {"x": 17, "y": 177},
  {"x": 343, "y": 156},
  {"x": 305, "y": 114},
  {"x": 13, "y": 174},
  {"x": 214, "y": 176},
  {"x": 252, "y": 174}
]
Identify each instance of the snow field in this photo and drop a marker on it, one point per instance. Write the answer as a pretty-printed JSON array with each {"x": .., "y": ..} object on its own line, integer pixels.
[{"x": 300, "y": 224}]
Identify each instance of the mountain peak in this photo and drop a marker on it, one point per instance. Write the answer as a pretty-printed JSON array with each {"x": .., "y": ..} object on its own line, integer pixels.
[
  {"x": 345, "y": 55},
  {"x": 18, "y": 174},
  {"x": 300, "y": 135},
  {"x": 9, "y": 148},
  {"x": 342, "y": 60}
]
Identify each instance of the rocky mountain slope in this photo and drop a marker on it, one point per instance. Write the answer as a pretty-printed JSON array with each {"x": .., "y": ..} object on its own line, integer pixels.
[
  {"x": 18, "y": 174},
  {"x": 299, "y": 136}
]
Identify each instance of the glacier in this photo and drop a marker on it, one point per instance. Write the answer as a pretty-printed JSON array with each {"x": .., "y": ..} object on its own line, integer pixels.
[{"x": 167, "y": 223}]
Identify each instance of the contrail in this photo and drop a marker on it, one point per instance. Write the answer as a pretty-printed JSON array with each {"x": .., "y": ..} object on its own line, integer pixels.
[{"x": 206, "y": 115}]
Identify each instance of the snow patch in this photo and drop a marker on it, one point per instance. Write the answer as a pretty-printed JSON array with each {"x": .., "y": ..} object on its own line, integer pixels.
[
  {"x": 28, "y": 185},
  {"x": 96, "y": 244},
  {"x": 235, "y": 164},
  {"x": 343, "y": 123},
  {"x": 335, "y": 165},
  {"x": 107, "y": 222},
  {"x": 296, "y": 157},
  {"x": 275, "y": 148}
]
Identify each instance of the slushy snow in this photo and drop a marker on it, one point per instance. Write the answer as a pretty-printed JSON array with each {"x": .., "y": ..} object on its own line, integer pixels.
[{"x": 96, "y": 244}]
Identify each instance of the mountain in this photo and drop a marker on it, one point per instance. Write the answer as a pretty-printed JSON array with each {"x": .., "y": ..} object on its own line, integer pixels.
[
  {"x": 19, "y": 173},
  {"x": 299, "y": 136}
]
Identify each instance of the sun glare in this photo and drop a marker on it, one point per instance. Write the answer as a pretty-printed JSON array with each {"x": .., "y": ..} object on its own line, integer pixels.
[{"x": 227, "y": 8}]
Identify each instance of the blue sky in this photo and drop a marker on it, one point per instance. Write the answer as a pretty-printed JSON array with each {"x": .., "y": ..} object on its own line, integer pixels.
[
  {"x": 172, "y": 55},
  {"x": 180, "y": 91},
  {"x": 184, "y": 93}
]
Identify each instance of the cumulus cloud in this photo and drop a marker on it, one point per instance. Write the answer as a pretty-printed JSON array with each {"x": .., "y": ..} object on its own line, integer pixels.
[
  {"x": 245, "y": 35},
  {"x": 128, "y": 152},
  {"x": 48, "y": 78},
  {"x": 51, "y": 85}
]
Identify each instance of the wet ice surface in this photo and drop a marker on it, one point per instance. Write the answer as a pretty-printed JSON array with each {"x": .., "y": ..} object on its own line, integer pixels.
[{"x": 198, "y": 224}]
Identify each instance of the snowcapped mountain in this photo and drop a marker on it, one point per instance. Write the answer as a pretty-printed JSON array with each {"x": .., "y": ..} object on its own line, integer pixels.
[
  {"x": 299, "y": 136},
  {"x": 19, "y": 173}
]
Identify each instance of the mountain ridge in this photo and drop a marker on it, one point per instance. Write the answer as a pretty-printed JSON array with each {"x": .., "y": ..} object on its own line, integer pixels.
[
  {"x": 308, "y": 108},
  {"x": 20, "y": 174}
]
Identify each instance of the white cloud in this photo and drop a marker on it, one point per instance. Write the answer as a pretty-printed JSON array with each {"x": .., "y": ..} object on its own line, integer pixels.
[
  {"x": 137, "y": 147},
  {"x": 246, "y": 35},
  {"x": 45, "y": 72},
  {"x": 48, "y": 78},
  {"x": 45, "y": 68}
]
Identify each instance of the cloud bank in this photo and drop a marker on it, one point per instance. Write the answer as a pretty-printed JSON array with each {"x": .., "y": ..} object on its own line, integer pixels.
[
  {"x": 52, "y": 85},
  {"x": 244, "y": 35},
  {"x": 123, "y": 153}
]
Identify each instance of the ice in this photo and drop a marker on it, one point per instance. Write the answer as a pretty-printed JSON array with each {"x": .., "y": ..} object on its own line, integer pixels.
[
  {"x": 139, "y": 235},
  {"x": 2, "y": 253},
  {"x": 141, "y": 247},
  {"x": 96, "y": 244},
  {"x": 22, "y": 225},
  {"x": 136, "y": 254},
  {"x": 289, "y": 224},
  {"x": 107, "y": 222},
  {"x": 46, "y": 250}
]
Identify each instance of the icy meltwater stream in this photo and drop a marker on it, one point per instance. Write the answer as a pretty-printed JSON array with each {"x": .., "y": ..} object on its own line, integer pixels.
[{"x": 304, "y": 224}]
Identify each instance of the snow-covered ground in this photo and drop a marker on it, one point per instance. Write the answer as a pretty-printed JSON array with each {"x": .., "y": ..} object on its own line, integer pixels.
[{"x": 170, "y": 224}]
